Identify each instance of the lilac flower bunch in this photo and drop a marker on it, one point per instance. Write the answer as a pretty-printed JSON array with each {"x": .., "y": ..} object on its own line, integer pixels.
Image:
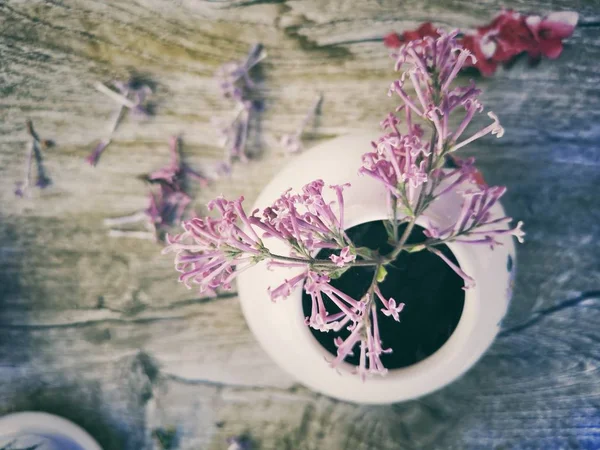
[
  {"x": 293, "y": 142},
  {"x": 410, "y": 164},
  {"x": 166, "y": 202},
  {"x": 34, "y": 153},
  {"x": 127, "y": 95},
  {"x": 236, "y": 84}
]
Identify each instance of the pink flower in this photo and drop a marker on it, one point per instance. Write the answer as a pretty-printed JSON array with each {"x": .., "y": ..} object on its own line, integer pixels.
[
  {"x": 212, "y": 251},
  {"x": 343, "y": 258},
  {"x": 394, "y": 40},
  {"x": 474, "y": 224},
  {"x": 305, "y": 220},
  {"x": 393, "y": 310},
  {"x": 511, "y": 33},
  {"x": 390, "y": 308},
  {"x": 416, "y": 176},
  {"x": 506, "y": 36},
  {"x": 316, "y": 286},
  {"x": 371, "y": 349},
  {"x": 285, "y": 289},
  {"x": 549, "y": 32}
]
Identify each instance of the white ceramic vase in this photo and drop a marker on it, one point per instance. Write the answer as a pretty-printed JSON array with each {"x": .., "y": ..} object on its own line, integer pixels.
[{"x": 280, "y": 327}]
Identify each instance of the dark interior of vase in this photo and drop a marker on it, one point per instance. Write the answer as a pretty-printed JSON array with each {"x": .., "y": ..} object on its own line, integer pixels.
[{"x": 431, "y": 291}]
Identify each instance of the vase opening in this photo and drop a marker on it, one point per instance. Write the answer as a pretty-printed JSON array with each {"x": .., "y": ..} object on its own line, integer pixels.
[{"x": 431, "y": 291}]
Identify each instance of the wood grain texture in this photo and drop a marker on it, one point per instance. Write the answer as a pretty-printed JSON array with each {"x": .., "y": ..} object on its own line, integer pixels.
[{"x": 97, "y": 329}]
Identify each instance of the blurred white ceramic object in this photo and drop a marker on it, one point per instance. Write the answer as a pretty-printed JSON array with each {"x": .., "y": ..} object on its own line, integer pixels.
[{"x": 46, "y": 431}]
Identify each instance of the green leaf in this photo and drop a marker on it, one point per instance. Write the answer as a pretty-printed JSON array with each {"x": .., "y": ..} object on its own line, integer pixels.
[
  {"x": 365, "y": 252},
  {"x": 381, "y": 274},
  {"x": 389, "y": 228},
  {"x": 337, "y": 272},
  {"x": 415, "y": 248}
]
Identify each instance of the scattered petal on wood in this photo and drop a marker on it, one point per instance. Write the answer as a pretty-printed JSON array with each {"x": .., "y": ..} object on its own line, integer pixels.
[
  {"x": 293, "y": 142},
  {"x": 236, "y": 84},
  {"x": 129, "y": 96},
  {"x": 34, "y": 152},
  {"x": 167, "y": 199},
  {"x": 509, "y": 34}
]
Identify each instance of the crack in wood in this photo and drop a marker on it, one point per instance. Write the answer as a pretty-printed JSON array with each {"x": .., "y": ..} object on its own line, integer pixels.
[{"x": 539, "y": 315}]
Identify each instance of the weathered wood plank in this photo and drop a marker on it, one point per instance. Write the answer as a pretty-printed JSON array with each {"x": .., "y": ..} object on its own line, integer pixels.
[
  {"x": 105, "y": 335},
  {"x": 536, "y": 388}
]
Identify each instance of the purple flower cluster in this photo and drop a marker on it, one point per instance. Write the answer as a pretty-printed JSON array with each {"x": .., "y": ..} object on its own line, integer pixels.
[
  {"x": 400, "y": 163},
  {"x": 305, "y": 221},
  {"x": 167, "y": 200},
  {"x": 358, "y": 316},
  {"x": 209, "y": 249},
  {"x": 411, "y": 166}
]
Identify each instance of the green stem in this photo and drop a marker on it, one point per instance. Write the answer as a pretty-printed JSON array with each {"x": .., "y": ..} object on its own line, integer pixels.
[
  {"x": 391, "y": 257},
  {"x": 322, "y": 262},
  {"x": 370, "y": 299},
  {"x": 395, "y": 218}
]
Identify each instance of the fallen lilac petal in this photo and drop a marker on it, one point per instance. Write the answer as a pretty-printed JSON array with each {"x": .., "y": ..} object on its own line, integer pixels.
[
  {"x": 115, "y": 96},
  {"x": 94, "y": 157},
  {"x": 141, "y": 107},
  {"x": 201, "y": 179},
  {"x": 138, "y": 106},
  {"x": 20, "y": 189},
  {"x": 132, "y": 234},
  {"x": 34, "y": 154},
  {"x": 42, "y": 180},
  {"x": 293, "y": 142},
  {"x": 173, "y": 174},
  {"x": 234, "y": 133},
  {"x": 234, "y": 76},
  {"x": 22, "y": 186},
  {"x": 124, "y": 220}
]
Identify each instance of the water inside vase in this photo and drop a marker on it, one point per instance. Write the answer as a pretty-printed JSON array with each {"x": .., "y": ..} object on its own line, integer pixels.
[{"x": 431, "y": 291}]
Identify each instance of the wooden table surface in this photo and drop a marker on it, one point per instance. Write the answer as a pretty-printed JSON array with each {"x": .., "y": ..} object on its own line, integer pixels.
[{"x": 97, "y": 329}]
